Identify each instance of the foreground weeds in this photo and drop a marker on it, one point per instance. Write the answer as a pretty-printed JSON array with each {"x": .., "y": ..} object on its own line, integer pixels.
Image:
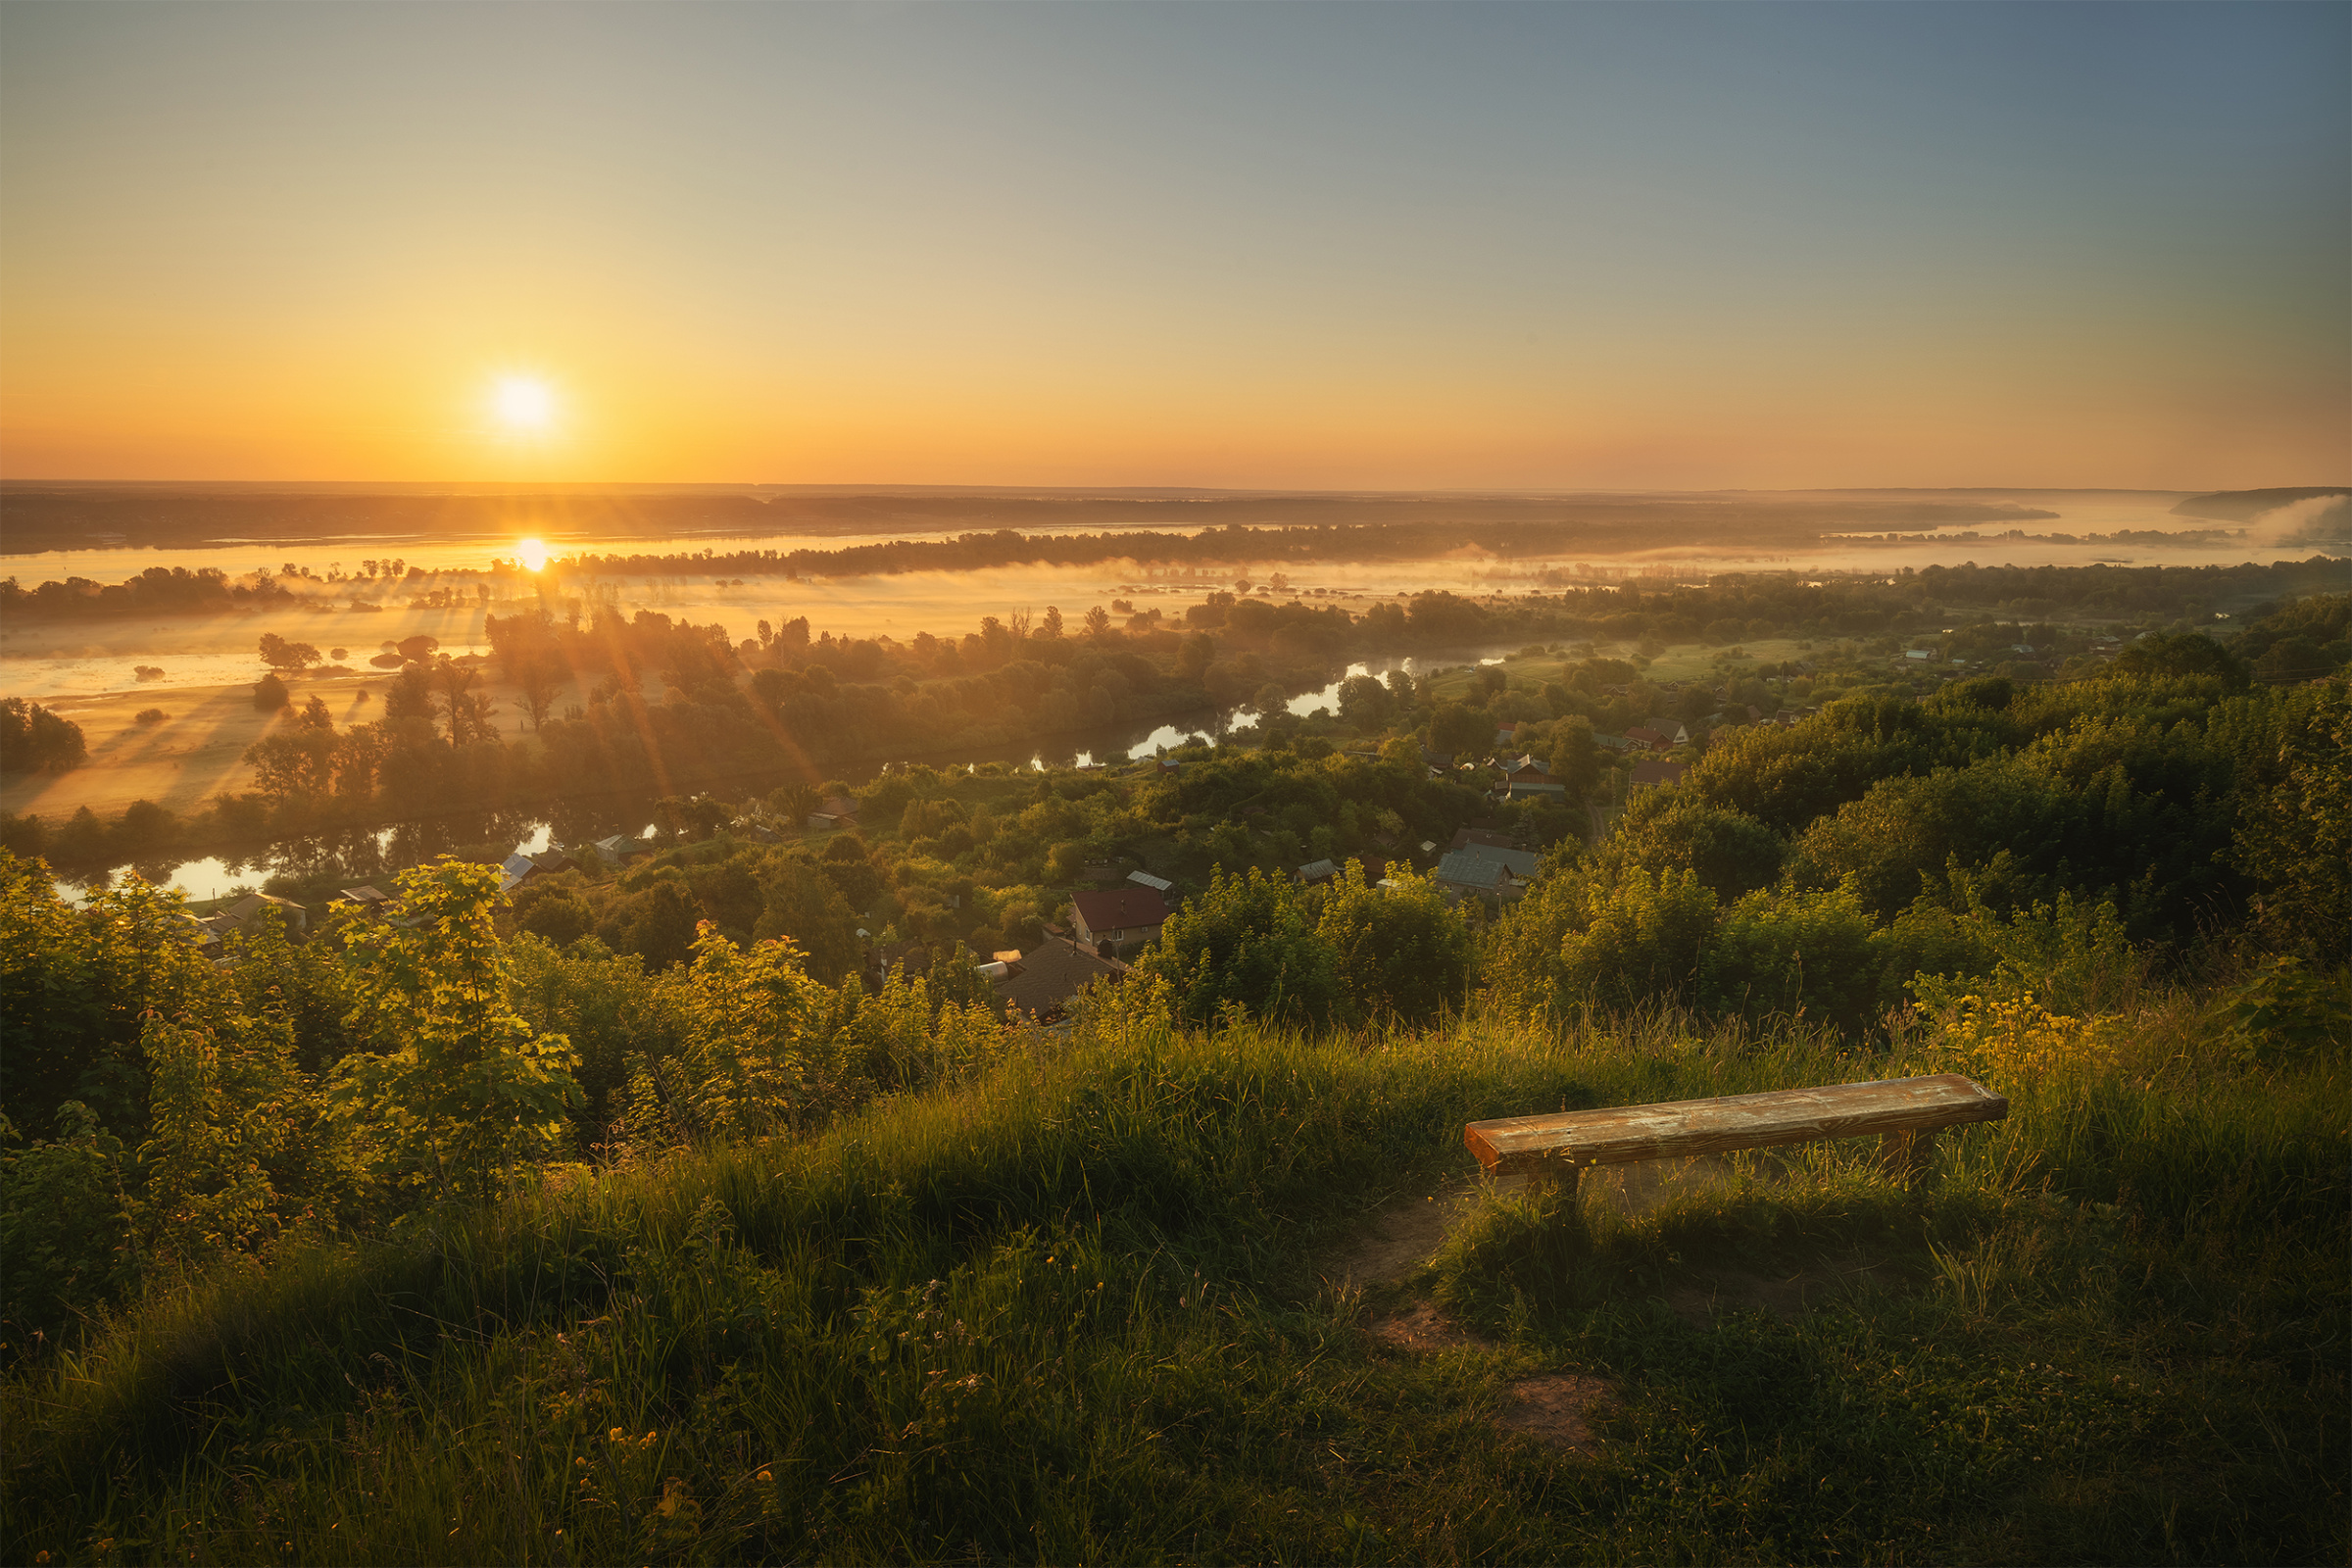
[{"x": 1069, "y": 1311}]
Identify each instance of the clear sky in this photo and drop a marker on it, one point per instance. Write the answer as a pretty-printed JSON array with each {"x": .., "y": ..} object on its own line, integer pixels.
[{"x": 1507, "y": 246}]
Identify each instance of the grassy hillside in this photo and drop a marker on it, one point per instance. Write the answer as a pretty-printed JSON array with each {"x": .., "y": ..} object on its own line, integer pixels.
[{"x": 1075, "y": 1308}]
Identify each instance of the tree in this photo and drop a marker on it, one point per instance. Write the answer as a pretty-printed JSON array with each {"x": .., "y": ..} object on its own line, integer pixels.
[
  {"x": 1363, "y": 702},
  {"x": 269, "y": 694},
  {"x": 1798, "y": 953},
  {"x": 756, "y": 1048},
  {"x": 539, "y": 677},
  {"x": 800, "y": 902},
  {"x": 279, "y": 653},
  {"x": 2296, "y": 829},
  {"x": 63, "y": 1224},
  {"x": 1581, "y": 938},
  {"x": 1246, "y": 943},
  {"x": 409, "y": 695},
  {"x": 1575, "y": 759},
  {"x": 295, "y": 763},
  {"x": 35, "y": 739},
  {"x": 2185, "y": 654},
  {"x": 1097, "y": 622},
  {"x": 1457, "y": 730},
  {"x": 795, "y": 802},
  {"x": 222, "y": 1105},
  {"x": 1400, "y": 950},
  {"x": 1732, "y": 853},
  {"x": 459, "y": 1091}
]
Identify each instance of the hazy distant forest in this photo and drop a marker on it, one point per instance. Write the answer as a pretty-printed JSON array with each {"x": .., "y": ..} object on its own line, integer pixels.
[
  {"x": 709, "y": 1209},
  {"x": 793, "y": 704}
]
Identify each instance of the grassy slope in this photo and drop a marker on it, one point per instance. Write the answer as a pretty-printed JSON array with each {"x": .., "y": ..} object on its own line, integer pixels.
[{"x": 1061, "y": 1315}]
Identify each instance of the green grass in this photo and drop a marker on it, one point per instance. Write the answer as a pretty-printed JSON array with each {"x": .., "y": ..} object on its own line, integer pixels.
[{"x": 1070, "y": 1310}]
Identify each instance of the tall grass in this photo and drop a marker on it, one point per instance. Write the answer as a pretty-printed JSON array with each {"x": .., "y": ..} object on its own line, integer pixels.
[{"x": 1071, "y": 1309}]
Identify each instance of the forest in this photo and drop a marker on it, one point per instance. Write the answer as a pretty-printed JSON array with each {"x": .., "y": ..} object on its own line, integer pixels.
[
  {"x": 641, "y": 1214},
  {"x": 673, "y": 709}
]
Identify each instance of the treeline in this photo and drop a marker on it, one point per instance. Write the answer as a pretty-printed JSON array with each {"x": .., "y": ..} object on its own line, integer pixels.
[{"x": 157, "y": 591}]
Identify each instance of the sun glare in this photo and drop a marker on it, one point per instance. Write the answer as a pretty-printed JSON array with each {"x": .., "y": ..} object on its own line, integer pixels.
[
  {"x": 532, "y": 553},
  {"x": 524, "y": 404}
]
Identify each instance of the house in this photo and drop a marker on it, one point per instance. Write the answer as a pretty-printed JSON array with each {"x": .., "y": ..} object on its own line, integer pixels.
[
  {"x": 297, "y": 918},
  {"x": 1684, "y": 734},
  {"x": 368, "y": 900},
  {"x": 518, "y": 869},
  {"x": 617, "y": 849},
  {"x": 1120, "y": 916},
  {"x": 1656, "y": 774},
  {"x": 1502, "y": 874},
  {"x": 1316, "y": 872},
  {"x": 837, "y": 811},
  {"x": 1481, "y": 837},
  {"x": 1922, "y": 654},
  {"x": 1044, "y": 979},
  {"x": 1616, "y": 743},
  {"x": 1509, "y": 736},
  {"x": 1642, "y": 735},
  {"x": 1528, "y": 778},
  {"x": 202, "y": 930},
  {"x": 1145, "y": 879}
]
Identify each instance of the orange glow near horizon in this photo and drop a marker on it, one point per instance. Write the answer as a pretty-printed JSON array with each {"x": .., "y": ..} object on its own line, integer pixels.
[{"x": 1395, "y": 248}]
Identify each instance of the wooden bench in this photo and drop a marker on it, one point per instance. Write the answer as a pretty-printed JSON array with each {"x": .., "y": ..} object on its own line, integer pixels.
[{"x": 1904, "y": 1112}]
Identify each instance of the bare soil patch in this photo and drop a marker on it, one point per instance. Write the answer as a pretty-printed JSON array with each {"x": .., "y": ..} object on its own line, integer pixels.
[
  {"x": 1422, "y": 1327},
  {"x": 1560, "y": 1408},
  {"x": 1403, "y": 1233}
]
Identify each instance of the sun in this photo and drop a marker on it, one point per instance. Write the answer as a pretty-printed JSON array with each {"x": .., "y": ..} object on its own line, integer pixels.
[
  {"x": 523, "y": 403},
  {"x": 532, "y": 553}
]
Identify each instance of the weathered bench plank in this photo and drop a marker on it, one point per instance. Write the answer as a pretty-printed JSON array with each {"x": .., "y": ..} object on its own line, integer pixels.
[{"x": 1570, "y": 1141}]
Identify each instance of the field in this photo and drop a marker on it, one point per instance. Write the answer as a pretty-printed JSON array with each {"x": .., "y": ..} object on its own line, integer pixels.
[{"x": 1148, "y": 1294}]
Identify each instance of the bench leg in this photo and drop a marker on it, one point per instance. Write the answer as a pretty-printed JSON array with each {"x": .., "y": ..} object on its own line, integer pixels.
[{"x": 1904, "y": 1156}]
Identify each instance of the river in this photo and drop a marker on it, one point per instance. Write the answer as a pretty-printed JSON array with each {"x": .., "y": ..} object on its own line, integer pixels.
[{"x": 369, "y": 852}]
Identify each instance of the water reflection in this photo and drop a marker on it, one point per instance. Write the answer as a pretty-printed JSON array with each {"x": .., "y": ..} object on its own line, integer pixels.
[{"x": 350, "y": 856}]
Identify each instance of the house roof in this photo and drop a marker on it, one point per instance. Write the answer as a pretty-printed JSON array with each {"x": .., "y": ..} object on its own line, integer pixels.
[
  {"x": 1120, "y": 908},
  {"x": 1465, "y": 869},
  {"x": 837, "y": 806},
  {"x": 1646, "y": 735},
  {"x": 1053, "y": 974},
  {"x": 1145, "y": 879},
  {"x": 1464, "y": 837},
  {"x": 1656, "y": 772},
  {"x": 1521, "y": 863},
  {"x": 1317, "y": 870},
  {"x": 363, "y": 894}
]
